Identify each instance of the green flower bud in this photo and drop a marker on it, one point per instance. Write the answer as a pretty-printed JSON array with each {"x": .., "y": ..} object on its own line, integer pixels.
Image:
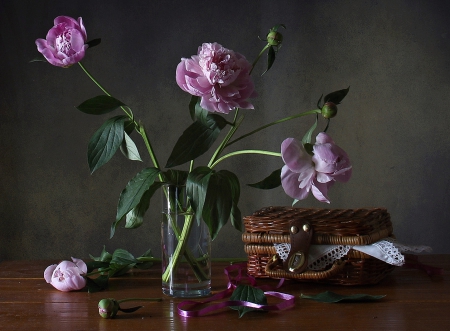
[
  {"x": 329, "y": 110},
  {"x": 108, "y": 308},
  {"x": 274, "y": 38}
]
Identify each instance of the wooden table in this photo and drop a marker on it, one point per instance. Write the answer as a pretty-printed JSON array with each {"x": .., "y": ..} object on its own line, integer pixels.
[{"x": 414, "y": 301}]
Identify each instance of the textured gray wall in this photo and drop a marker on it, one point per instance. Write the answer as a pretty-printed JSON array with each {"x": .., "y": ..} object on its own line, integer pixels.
[{"x": 394, "y": 123}]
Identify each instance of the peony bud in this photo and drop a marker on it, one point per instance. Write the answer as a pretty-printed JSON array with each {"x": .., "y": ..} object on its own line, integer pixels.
[
  {"x": 108, "y": 308},
  {"x": 274, "y": 38},
  {"x": 329, "y": 110}
]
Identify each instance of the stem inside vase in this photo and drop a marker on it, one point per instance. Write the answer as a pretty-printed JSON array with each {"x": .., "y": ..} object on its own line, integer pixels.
[{"x": 185, "y": 246}]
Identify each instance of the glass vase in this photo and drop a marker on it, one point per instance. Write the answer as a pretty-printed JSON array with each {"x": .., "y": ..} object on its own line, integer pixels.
[{"x": 185, "y": 247}]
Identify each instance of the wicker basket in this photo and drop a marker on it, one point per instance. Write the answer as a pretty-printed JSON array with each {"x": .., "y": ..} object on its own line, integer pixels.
[{"x": 331, "y": 226}]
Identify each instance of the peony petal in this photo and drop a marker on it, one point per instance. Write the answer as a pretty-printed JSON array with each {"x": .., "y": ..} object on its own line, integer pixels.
[
  {"x": 343, "y": 175},
  {"x": 49, "y": 272},
  {"x": 323, "y": 138},
  {"x": 290, "y": 185},
  {"x": 320, "y": 190},
  {"x": 69, "y": 21},
  {"x": 80, "y": 264},
  {"x": 295, "y": 156},
  {"x": 77, "y": 41}
]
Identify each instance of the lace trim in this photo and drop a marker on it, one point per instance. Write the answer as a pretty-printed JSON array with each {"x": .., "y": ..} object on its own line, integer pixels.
[{"x": 387, "y": 250}]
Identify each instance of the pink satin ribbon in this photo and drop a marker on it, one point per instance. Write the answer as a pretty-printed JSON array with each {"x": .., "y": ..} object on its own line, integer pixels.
[{"x": 191, "y": 308}]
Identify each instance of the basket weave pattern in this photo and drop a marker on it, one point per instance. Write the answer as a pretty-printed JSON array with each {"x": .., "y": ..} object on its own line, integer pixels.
[{"x": 331, "y": 227}]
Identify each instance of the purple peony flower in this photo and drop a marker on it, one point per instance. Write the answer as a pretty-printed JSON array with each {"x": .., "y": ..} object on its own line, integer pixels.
[
  {"x": 219, "y": 76},
  {"x": 65, "y": 43},
  {"x": 67, "y": 276},
  {"x": 304, "y": 173}
]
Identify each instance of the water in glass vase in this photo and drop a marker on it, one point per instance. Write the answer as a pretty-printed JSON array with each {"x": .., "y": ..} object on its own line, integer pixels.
[{"x": 185, "y": 247}]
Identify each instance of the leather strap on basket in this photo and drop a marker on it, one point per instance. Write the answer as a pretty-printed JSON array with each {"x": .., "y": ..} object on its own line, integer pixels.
[{"x": 301, "y": 234}]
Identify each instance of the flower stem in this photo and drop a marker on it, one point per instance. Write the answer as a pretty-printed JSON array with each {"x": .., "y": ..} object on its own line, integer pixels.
[
  {"x": 139, "y": 127},
  {"x": 258, "y": 57},
  {"x": 179, "y": 250},
  {"x": 245, "y": 151},
  {"x": 309, "y": 112},
  {"x": 236, "y": 123}
]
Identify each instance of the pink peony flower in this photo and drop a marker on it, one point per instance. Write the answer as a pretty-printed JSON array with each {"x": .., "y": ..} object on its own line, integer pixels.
[
  {"x": 67, "y": 276},
  {"x": 65, "y": 43},
  {"x": 303, "y": 173},
  {"x": 219, "y": 76}
]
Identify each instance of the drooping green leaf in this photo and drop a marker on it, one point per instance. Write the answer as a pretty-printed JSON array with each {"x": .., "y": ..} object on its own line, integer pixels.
[
  {"x": 309, "y": 148},
  {"x": 336, "y": 97},
  {"x": 331, "y": 297},
  {"x": 270, "y": 59},
  {"x": 308, "y": 135},
  {"x": 196, "y": 140},
  {"x": 135, "y": 189},
  {"x": 235, "y": 214},
  {"x": 196, "y": 111},
  {"x": 218, "y": 202},
  {"x": 135, "y": 217},
  {"x": 105, "y": 142},
  {"x": 270, "y": 182},
  {"x": 129, "y": 149},
  {"x": 250, "y": 294},
  {"x": 101, "y": 104},
  {"x": 197, "y": 188}
]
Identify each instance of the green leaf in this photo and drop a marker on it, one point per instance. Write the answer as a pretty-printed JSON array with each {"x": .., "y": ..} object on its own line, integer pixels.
[
  {"x": 309, "y": 148},
  {"x": 104, "y": 256},
  {"x": 99, "y": 105},
  {"x": 336, "y": 97},
  {"x": 218, "y": 202},
  {"x": 308, "y": 135},
  {"x": 97, "y": 284},
  {"x": 331, "y": 297},
  {"x": 196, "y": 140},
  {"x": 122, "y": 261},
  {"x": 250, "y": 294},
  {"x": 105, "y": 142},
  {"x": 92, "y": 265},
  {"x": 270, "y": 182},
  {"x": 129, "y": 149},
  {"x": 197, "y": 188},
  {"x": 270, "y": 59},
  {"x": 196, "y": 111},
  {"x": 175, "y": 177},
  {"x": 276, "y": 27},
  {"x": 147, "y": 264},
  {"x": 123, "y": 257},
  {"x": 135, "y": 189},
  {"x": 135, "y": 217},
  {"x": 130, "y": 310},
  {"x": 235, "y": 214}
]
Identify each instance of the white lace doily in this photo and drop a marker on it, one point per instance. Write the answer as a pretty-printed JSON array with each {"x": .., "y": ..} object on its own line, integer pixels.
[{"x": 386, "y": 250}]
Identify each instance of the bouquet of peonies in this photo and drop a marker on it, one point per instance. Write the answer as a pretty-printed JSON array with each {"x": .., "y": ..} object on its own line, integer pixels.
[{"x": 219, "y": 82}]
